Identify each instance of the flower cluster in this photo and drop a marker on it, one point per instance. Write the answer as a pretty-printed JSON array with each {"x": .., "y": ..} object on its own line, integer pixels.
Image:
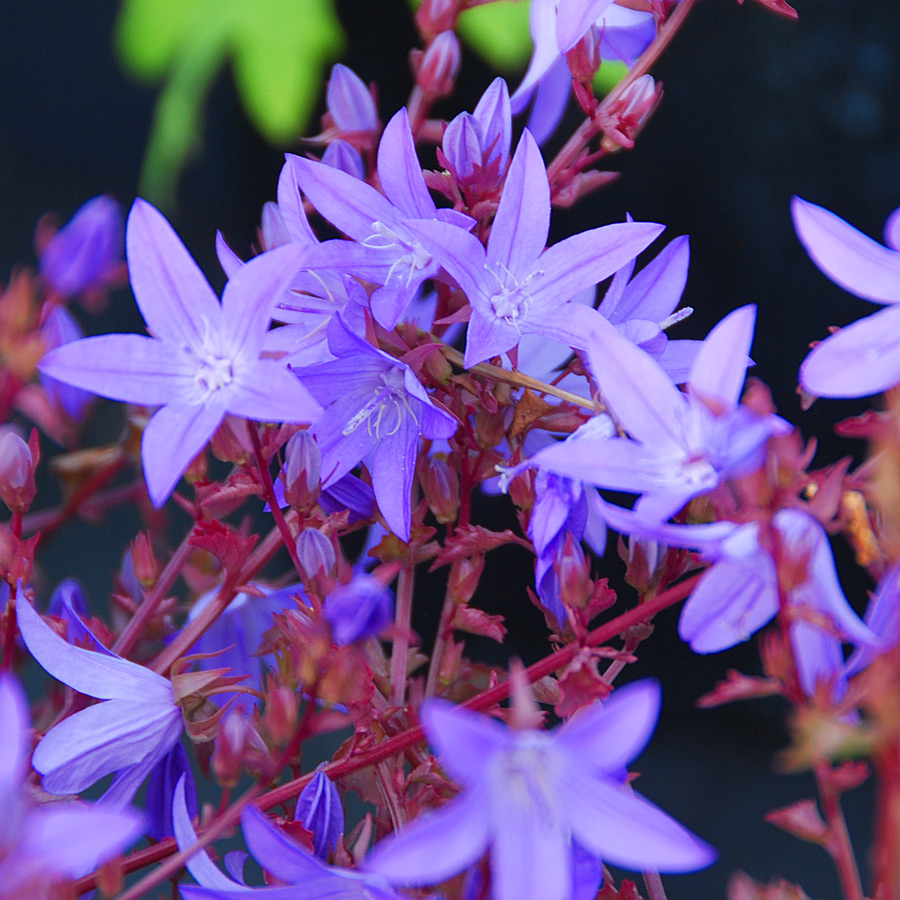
[{"x": 403, "y": 334}]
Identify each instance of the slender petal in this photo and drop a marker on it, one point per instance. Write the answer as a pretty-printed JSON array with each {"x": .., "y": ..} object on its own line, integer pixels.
[
  {"x": 460, "y": 829},
  {"x": 74, "y": 839},
  {"x": 859, "y": 360},
  {"x": 520, "y": 229},
  {"x": 849, "y": 258},
  {"x": 127, "y": 367},
  {"x": 172, "y": 438},
  {"x": 630, "y": 713},
  {"x": 173, "y": 294},
  {"x": 101, "y": 739},
  {"x": 720, "y": 366},
  {"x": 626, "y": 830},
  {"x": 94, "y": 674},
  {"x": 400, "y": 171},
  {"x": 463, "y": 739}
]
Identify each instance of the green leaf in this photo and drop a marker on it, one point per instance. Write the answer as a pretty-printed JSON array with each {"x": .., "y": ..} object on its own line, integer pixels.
[
  {"x": 150, "y": 33},
  {"x": 499, "y": 32},
  {"x": 280, "y": 50},
  {"x": 608, "y": 76}
]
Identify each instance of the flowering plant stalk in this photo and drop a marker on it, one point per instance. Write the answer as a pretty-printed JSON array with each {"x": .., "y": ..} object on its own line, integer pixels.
[{"x": 360, "y": 391}]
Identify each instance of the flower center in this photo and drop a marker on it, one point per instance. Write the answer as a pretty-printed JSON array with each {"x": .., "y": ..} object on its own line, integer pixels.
[
  {"x": 386, "y": 408},
  {"x": 510, "y": 304},
  {"x": 212, "y": 374},
  {"x": 411, "y": 255}
]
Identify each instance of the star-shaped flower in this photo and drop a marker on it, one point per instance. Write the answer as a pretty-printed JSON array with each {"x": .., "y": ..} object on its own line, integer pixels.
[
  {"x": 863, "y": 358},
  {"x": 681, "y": 444},
  {"x": 515, "y": 286},
  {"x": 374, "y": 404},
  {"x": 203, "y": 359},
  {"x": 383, "y": 250},
  {"x": 540, "y": 800}
]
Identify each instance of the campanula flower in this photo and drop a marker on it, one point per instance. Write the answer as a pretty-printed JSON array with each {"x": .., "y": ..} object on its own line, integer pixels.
[
  {"x": 203, "y": 359},
  {"x": 681, "y": 444},
  {"x": 863, "y": 358},
  {"x": 383, "y": 250},
  {"x": 516, "y": 285},
  {"x": 539, "y": 800},
  {"x": 374, "y": 405},
  {"x": 556, "y": 27},
  {"x": 738, "y": 593},
  {"x": 46, "y": 844},
  {"x": 134, "y": 727}
]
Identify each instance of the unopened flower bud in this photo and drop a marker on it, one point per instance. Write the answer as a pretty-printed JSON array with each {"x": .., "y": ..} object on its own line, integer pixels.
[
  {"x": 341, "y": 155},
  {"x": 319, "y": 810},
  {"x": 573, "y": 573},
  {"x": 302, "y": 468},
  {"x": 84, "y": 253},
  {"x": 643, "y": 558},
  {"x": 359, "y": 609},
  {"x": 584, "y": 58},
  {"x": 234, "y": 739},
  {"x": 631, "y": 111},
  {"x": 462, "y": 147},
  {"x": 281, "y": 715},
  {"x": 146, "y": 567},
  {"x": 316, "y": 552},
  {"x": 436, "y": 68},
  {"x": 442, "y": 490},
  {"x": 16, "y": 472},
  {"x": 435, "y": 16},
  {"x": 350, "y": 102}
]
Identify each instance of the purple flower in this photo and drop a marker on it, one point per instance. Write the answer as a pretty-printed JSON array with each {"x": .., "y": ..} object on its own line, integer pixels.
[
  {"x": 738, "y": 594},
  {"x": 359, "y": 609},
  {"x": 883, "y": 618},
  {"x": 539, "y": 800},
  {"x": 85, "y": 253},
  {"x": 681, "y": 445},
  {"x": 556, "y": 27},
  {"x": 307, "y": 876},
  {"x": 643, "y": 307},
  {"x": 863, "y": 358},
  {"x": 128, "y": 733},
  {"x": 515, "y": 286},
  {"x": 562, "y": 507},
  {"x": 41, "y": 845},
  {"x": 374, "y": 404},
  {"x": 203, "y": 360},
  {"x": 383, "y": 250},
  {"x": 319, "y": 810}
]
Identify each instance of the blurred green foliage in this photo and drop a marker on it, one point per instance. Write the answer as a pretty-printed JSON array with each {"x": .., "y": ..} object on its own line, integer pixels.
[{"x": 278, "y": 49}]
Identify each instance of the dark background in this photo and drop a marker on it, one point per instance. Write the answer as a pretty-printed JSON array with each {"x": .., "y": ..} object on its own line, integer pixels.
[{"x": 756, "y": 109}]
